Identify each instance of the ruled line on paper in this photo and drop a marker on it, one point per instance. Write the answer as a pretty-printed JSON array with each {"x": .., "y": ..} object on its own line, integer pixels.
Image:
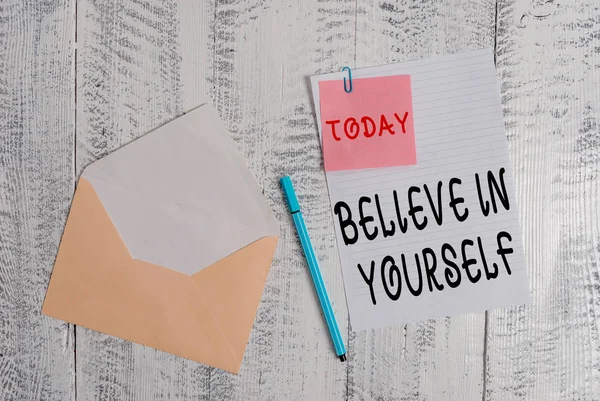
[{"x": 474, "y": 230}]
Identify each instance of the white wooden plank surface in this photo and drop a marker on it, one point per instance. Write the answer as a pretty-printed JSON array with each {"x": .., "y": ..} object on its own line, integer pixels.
[
  {"x": 264, "y": 53},
  {"x": 36, "y": 184},
  {"x": 142, "y": 62},
  {"x": 549, "y": 59},
  {"x": 136, "y": 71}
]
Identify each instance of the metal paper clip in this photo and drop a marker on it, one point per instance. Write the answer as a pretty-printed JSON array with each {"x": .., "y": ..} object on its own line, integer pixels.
[{"x": 346, "y": 88}]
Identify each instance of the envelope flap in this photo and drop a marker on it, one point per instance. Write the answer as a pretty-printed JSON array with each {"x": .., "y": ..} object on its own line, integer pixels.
[
  {"x": 182, "y": 196},
  {"x": 232, "y": 289}
]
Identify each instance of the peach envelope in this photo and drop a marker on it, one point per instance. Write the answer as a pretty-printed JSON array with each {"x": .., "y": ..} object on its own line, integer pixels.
[{"x": 168, "y": 244}]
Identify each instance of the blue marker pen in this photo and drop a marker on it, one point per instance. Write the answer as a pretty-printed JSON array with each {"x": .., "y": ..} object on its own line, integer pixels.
[{"x": 313, "y": 266}]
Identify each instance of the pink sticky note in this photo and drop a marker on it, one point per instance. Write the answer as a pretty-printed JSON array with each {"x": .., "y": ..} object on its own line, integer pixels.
[{"x": 370, "y": 127}]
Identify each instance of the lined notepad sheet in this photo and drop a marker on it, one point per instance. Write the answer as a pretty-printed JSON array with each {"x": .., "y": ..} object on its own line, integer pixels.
[{"x": 459, "y": 132}]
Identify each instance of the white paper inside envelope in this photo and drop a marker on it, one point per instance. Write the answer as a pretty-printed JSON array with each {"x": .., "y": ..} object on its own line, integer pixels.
[{"x": 182, "y": 196}]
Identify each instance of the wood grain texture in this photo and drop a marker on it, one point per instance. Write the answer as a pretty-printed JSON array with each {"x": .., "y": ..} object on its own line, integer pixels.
[
  {"x": 263, "y": 56},
  {"x": 437, "y": 359},
  {"x": 36, "y": 185},
  {"x": 139, "y": 63},
  {"x": 135, "y": 72},
  {"x": 548, "y": 59}
]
